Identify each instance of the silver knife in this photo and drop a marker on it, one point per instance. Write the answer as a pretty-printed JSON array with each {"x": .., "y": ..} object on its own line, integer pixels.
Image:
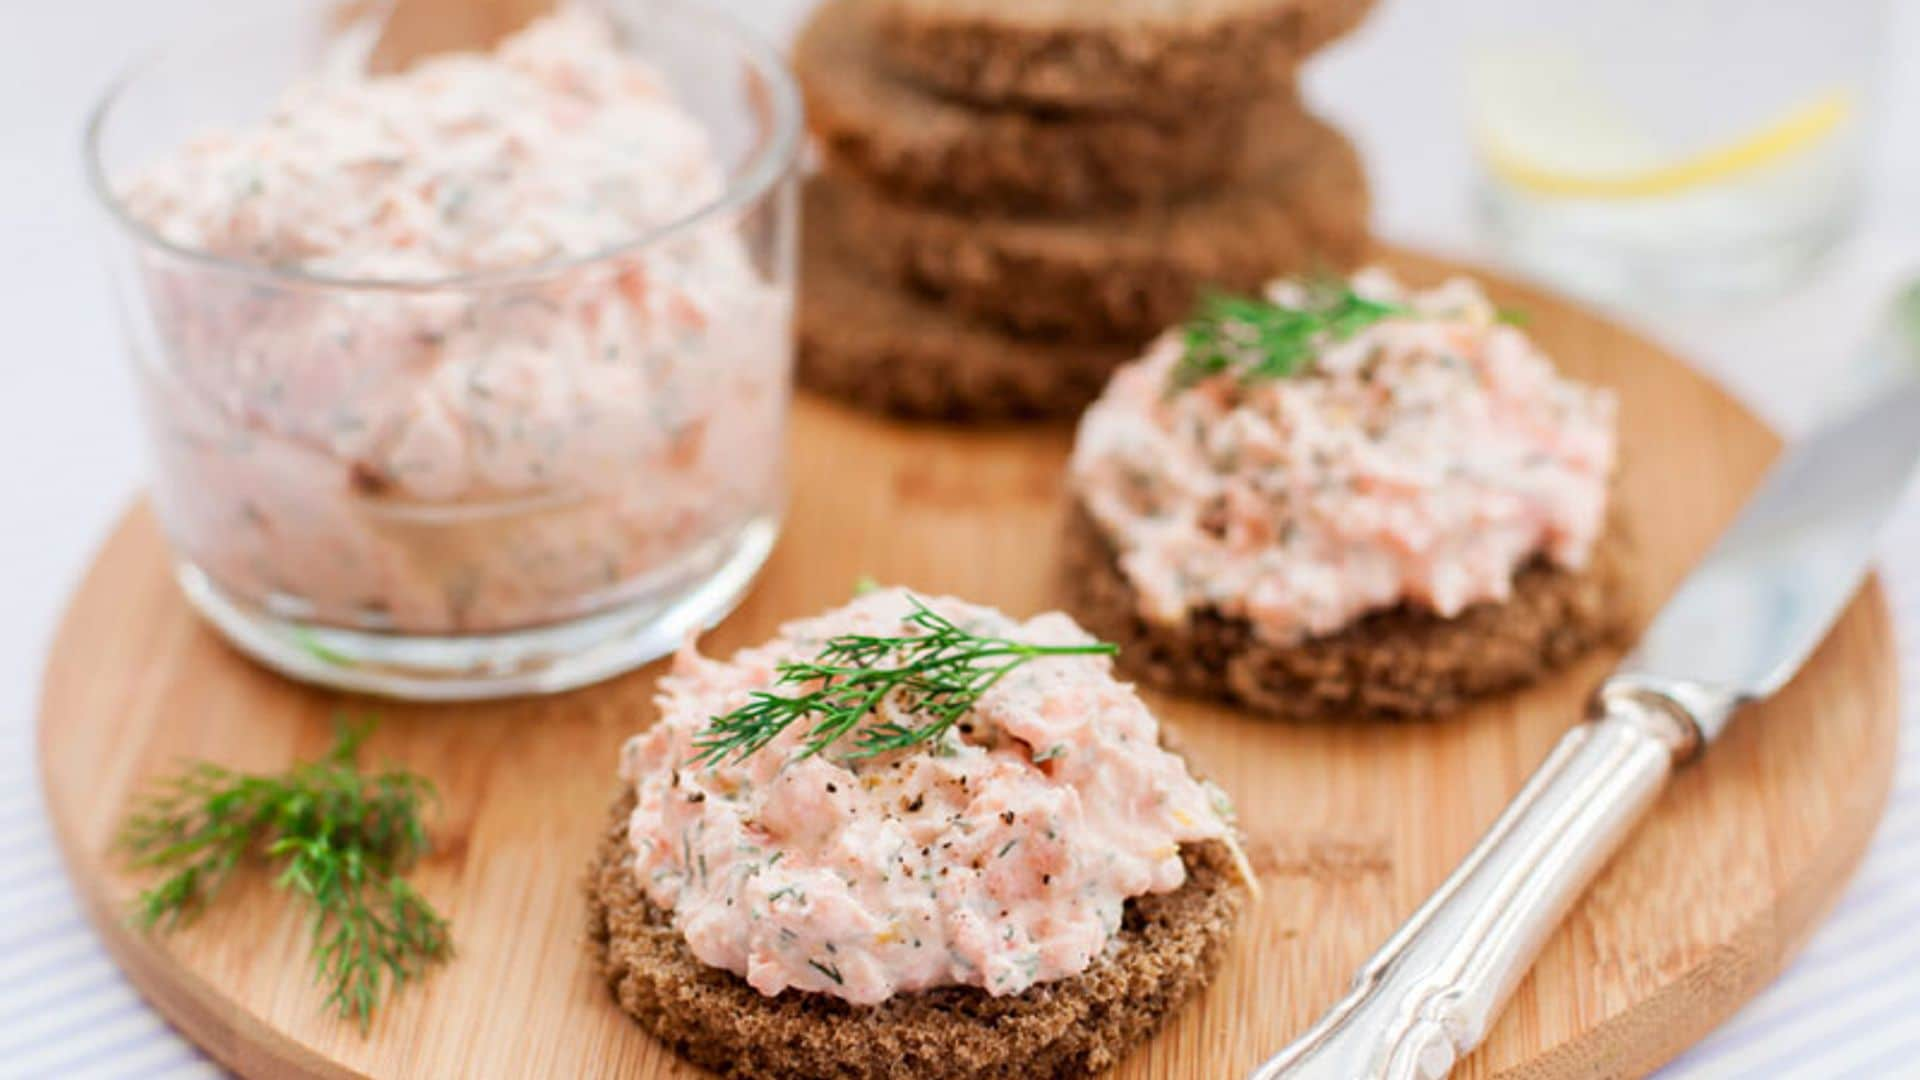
[{"x": 1738, "y": 628}]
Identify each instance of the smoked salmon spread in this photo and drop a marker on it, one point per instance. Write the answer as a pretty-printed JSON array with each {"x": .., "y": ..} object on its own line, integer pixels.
[
  {"x": 1418, "y": 462},
  {"x": 458, "y": 349},
  {"x": 997, "y": 856}
]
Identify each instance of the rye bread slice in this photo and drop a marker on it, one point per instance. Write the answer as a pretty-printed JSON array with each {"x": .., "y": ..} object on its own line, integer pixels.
[
  {"x": 922, "y": 147},
  {"x": 876, "y": 344},
  {"x": 1168, "y": 948},
  {"x": 1400, "y": 664},
  {"x": 1160, "y": 57},
  {"x": 1125, "y": 275}
]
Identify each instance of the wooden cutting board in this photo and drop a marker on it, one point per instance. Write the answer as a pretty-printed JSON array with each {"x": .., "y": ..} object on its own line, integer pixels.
[{"x": 1350, "y": 825}]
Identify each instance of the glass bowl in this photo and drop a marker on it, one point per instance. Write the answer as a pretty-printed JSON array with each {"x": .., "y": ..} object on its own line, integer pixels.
[{"x": 498, "y": 483}]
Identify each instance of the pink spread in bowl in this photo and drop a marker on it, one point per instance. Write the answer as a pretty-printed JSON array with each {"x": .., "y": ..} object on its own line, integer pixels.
[{"x": 442, "y": 364}]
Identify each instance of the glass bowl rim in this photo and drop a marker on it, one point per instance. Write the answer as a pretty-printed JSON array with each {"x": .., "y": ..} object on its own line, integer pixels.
[{"x": 770, "y": 162}]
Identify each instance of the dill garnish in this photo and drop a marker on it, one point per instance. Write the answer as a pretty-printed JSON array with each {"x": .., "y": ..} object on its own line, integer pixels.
[
  {"x": 1261, "y": 339},
  {"x": 939, "y": 671},
  {"x": 343, "y": 837}
]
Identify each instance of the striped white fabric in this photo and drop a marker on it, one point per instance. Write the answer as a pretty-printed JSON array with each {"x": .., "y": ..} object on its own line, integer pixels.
[
  {"x": 65, "y": 1010},
  {"x": 1845, "y": 1008}
]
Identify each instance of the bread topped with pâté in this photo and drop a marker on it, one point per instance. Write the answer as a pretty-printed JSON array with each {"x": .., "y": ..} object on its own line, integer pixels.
[
  {"x": 909, "y": 838},
  {"x": 1345, "y": 499}
]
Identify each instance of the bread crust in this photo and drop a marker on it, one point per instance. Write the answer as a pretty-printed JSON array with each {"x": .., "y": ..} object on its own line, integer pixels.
[
  {"x": 1168, "y": 948},
  {"x": 1400, "y": 664},
  {"x": 1123, "y": 276},
  {"x": 922, "y": 147},
  {"x": 1138, "y": 57},
  {"x": 877, "y": 345}
]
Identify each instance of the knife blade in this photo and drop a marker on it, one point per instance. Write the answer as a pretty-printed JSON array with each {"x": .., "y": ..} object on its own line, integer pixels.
[
  {"x": 1737, "y": 629},
  {"x": 1748, "y": 616}
]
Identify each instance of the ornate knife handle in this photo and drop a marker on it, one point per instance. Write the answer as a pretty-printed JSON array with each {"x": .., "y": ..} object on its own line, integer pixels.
[{"x": 1430, "y": 993}]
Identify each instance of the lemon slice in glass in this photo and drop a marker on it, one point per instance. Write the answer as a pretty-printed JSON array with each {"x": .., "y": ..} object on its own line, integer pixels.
[{"x": 1544, "y": 125}]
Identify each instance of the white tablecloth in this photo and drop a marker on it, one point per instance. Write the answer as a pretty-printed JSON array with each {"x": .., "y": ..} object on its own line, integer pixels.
[{"x": 69, "y": 460}]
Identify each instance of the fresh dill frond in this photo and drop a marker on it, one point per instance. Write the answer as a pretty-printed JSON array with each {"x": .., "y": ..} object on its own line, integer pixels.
[
  {"x": 1259, "y": 339},
  {"x": 341, "y": 836},
  {"x": 937, "y": 672}
]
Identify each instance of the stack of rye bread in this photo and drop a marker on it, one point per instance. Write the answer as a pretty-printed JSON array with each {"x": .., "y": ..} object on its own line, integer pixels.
[{"x": 1016, "y": 195}]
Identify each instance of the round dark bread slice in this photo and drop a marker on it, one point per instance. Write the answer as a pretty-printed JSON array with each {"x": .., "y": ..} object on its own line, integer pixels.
[
  {"x": 1162, "y": 57},
  {"x": 922, "y": 147},
  {"x": 1404, "y": 663},
  {"x": 1125, "y": 275},
  {"x": 1168, "y": 948},
  {"x": 876, "y": 344}
]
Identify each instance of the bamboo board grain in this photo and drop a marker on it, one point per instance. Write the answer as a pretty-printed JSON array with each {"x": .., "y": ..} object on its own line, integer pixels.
[{"x": 1350, "y": 825}]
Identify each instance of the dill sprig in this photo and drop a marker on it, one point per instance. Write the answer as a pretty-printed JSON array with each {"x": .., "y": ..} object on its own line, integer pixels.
[
  {"x": 342, "y": 837},
  {"x": 1261, "y": 339},
  {"x": 938, "y": 672}
]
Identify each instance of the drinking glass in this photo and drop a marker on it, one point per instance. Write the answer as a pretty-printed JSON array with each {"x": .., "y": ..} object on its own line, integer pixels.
[{"x": 1671, "y": 147}]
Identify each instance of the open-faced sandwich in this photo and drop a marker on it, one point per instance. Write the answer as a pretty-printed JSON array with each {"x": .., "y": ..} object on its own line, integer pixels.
[
  {"x": 1345, "y": 499},
  {"x": 909, "y": 838}
]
